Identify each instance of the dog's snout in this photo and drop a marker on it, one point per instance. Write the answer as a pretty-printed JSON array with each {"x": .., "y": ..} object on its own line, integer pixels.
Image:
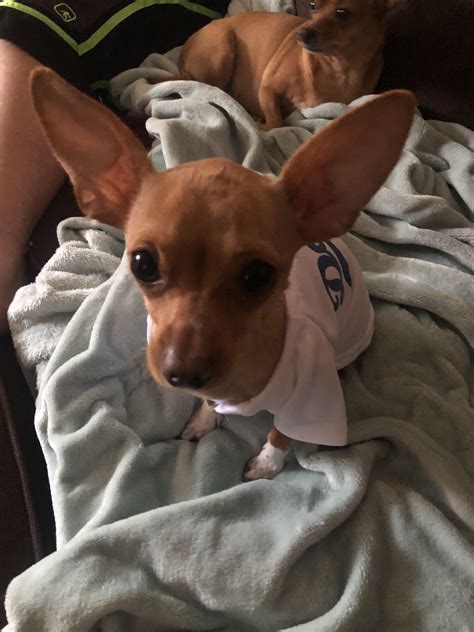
[
  {"x": 308, "y": 37},
  {"x": 191, "y": 373}
]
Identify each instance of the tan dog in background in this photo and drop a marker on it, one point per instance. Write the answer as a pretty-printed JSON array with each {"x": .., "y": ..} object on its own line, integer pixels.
[
  {"x": 274, "y": 63},
  {"x": 210, "y": 243}
]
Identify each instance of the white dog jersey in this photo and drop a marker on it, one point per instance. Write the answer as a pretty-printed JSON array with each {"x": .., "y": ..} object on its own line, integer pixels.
[{"x": 330, "y": 322}]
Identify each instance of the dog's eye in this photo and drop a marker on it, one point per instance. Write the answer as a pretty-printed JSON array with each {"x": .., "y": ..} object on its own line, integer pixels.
[
  {"x": 257, "y": 277},
  {"x": 144, "y": 266},
  {"x": 343, "y": 13}
]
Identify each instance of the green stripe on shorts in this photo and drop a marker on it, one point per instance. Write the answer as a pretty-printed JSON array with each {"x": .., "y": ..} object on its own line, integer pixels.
[{"x": 108, "y": 26}]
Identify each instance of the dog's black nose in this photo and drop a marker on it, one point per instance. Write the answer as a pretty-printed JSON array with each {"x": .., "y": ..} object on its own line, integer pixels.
[
  {"x": 190, "y": 373},
  {"x": 308, "y": 37}
]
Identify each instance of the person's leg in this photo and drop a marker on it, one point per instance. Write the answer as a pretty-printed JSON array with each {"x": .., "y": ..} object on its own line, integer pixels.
[{"x": 29, "y": 174}]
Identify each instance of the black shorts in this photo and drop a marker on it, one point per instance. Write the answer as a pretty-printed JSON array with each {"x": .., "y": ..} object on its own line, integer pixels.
[{"x": 89, "y": 41}]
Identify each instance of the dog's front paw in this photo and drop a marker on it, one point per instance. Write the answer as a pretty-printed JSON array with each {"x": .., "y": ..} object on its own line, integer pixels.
[
  {"x": 201, "y": 423},
  {"x": 266, "y": 464}
]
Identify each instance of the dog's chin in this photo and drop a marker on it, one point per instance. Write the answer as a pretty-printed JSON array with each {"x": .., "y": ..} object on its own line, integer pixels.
[
  {"x": 219, "y": 388},
  {"x": 311, "y": 49},
  {"x": 314, "y": 50},
  {"x": 319, "y": 50},
  {"x": 207, "y": 392}
]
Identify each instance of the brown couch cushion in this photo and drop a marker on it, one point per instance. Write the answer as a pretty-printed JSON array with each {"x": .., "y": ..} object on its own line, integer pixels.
[{"x": 26, "y": 524}]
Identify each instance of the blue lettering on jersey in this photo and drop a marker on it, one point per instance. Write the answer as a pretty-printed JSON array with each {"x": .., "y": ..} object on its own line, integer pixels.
[{"x": 334, "y": 270}]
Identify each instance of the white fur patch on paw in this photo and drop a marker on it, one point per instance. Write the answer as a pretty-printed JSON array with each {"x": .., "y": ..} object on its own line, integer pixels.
[
  {"x": 201, "y": 423},
  {"x": 266, "y": 464}
]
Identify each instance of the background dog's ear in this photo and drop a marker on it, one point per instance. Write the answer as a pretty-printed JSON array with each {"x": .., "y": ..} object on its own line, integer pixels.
[
  {"x": 332, "y": 176},
  {"x": 103, "y": 159}
]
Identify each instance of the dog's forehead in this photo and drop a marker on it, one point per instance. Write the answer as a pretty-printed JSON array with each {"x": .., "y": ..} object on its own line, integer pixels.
[
  {"x": 208, "y": 180},
  {"x": 209, "y": 215},
  {"x": 212, "y": 195}
]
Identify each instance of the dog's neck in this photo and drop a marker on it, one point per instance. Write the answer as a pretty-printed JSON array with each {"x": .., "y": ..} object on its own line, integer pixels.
[{"x": 339, "y": 77}]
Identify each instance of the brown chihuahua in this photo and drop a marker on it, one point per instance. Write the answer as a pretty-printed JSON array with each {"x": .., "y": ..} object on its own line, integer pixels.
[
  {"x": 212, "y": 245},
  {"x": 274, "y": 63}
]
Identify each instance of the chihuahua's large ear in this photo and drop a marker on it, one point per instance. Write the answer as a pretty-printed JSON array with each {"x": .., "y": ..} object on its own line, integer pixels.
[
  {"x": 103, "y": 159},
  {"x": 332, "y": 176}
]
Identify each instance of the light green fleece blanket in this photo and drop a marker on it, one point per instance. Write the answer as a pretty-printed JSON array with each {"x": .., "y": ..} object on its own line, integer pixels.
[{"x": 155, "y": 533}]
